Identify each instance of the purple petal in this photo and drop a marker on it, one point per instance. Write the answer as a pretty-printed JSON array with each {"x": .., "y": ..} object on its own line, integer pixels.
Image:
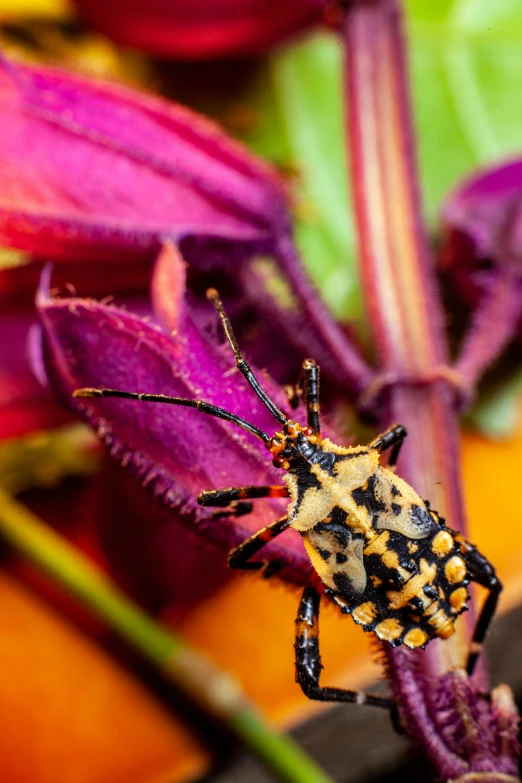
[
  {"x": 153, "y": 555},
  {"x": 482, "y": 250},
  {"x": 176, "y": 452},
  {"x": 94, "y": 170},
  {"x": 25, "y": 404},
  {"x": 483, "y": 215},
  {"x": 88, "y": 168}
]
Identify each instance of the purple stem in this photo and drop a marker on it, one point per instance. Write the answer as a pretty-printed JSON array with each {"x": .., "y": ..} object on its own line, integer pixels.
[
  {"x": 352, "y": 370},
  {"x": 416, "y": 385}
]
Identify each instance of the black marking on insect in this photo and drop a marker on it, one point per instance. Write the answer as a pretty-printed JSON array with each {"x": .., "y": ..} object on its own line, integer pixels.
[{"x": 379, "y": 551}]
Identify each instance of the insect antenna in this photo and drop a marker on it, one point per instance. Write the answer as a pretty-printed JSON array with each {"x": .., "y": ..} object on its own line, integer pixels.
[
  {"x": 201, "y": 405},
  {"x": 242, "y": 364}
]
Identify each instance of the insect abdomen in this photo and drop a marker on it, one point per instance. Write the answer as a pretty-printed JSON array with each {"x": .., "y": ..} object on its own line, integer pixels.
[{"x": 415, "y": 588}]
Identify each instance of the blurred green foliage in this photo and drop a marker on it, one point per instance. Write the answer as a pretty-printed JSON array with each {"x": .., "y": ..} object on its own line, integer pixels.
[{"x": 43, "y": 459}]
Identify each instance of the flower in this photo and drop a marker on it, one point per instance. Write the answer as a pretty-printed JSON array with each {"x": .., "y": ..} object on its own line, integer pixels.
[
  {"x": 90, "y": 169},
  {"x": 172, "y": 452},
  {"x": 482, "y": 221},
  {"x": 26, "y": 406},
  {"x": 202, "y": 29}
]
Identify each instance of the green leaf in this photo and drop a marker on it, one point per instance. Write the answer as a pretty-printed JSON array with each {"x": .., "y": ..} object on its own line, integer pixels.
[
  {"x": 497, "y": 412},
  {"x": 43, "y": 459},
  {"x": 466, "y": 58}
]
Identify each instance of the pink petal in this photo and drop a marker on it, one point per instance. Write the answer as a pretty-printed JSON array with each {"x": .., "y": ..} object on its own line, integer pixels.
[
  {"x": 91, "y": 169},
  {"x": 173, "y": 451}
]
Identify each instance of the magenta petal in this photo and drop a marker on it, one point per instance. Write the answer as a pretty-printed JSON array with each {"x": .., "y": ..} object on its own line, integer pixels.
[
  {"x": 154, "y": 556},
  {"x": 173, "y": 451},
  {"x": 24, "y": 405},
  {"x": 91, "y": 167},
  {"x": 486, "y": 211},
  {"x": 482, "y": 251}
]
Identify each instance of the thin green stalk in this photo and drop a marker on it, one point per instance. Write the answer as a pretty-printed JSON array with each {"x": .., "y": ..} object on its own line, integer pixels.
[{"x": 214, "y": 690}]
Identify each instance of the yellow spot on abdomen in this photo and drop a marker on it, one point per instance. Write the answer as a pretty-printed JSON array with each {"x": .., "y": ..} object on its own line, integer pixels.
[
  {"x": 379, "y": 544},
  {"x": 389, "y": 630},
  {"x": 365, "y": 613},
  {"x": 458, "y": 598},
  {"x": 401, "y": 598},
  {"x": 442, "y": 624},
  {"x": 390, "y": 559},
  {"x": 415, "y": 638},
  {"x": 442, "y": 544},
  {"x": 455, "y": 570}
]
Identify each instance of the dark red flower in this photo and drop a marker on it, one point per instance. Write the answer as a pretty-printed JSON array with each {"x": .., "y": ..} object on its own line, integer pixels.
[{"x": 200, "y": 29}]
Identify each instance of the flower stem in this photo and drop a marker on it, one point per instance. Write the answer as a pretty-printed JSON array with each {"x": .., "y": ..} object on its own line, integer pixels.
[
  {"x": 416, "y": 386},
  {"x": 214, "y": 690},
  {"x": 397, "y": 271}
]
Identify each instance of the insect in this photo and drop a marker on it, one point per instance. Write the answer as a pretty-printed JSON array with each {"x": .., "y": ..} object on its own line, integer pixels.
[{"x": 379, "y": 552}]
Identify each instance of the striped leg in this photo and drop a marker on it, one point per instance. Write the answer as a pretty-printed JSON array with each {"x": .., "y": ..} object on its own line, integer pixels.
[
  {"x": 240, "y": 556},
  {"x": 232, "y": 500},
  {"x": 393, "y": 439},
  {"x": 483, "y": 573},
  {"x": 308, "y": 384},
  {"x": 223, "y": 497},
  {"x": 308, "y": 659}
]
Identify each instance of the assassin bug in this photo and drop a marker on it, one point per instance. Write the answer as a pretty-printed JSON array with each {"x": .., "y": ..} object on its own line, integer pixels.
[{"x": 379, "y": 551}]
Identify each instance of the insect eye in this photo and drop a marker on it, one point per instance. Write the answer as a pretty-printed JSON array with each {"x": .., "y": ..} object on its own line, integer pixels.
[
  {"x": 280, "y": 462},
  {"x": 308, "y": 431}
]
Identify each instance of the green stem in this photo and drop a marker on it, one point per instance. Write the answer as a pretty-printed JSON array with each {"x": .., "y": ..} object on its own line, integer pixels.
[{"x": 214, "y": 690}]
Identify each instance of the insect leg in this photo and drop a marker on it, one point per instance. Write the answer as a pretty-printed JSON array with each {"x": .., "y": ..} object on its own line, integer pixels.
[
  {"x": 310, "y": 381},
  {"x": 223, "y": 497},
  {"x": 391, "y": 439},
  {"x": 232, "y": 500},
  {"x": 308, "y": 384},
  {"x": 240, "y": 556},
  {"x": 308, "y": 659},
  {"x": 482, "y": 572}
]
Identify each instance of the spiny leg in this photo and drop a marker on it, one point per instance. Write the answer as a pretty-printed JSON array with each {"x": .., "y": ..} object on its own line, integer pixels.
[
  {"x": 242, "y": 364},
  {"x": 392, "y": 438},
  {"x": 310, "y": 381},
  {"x": 240, "y": 556},
  {"x": 238, "y": 508},
  {"x": 308, "y": 384},
  {"x": 232, "y": 500},
  {"x": 223, "y": 497},
  {"x": 482, "y": 572},
  {"x": 308, "y": 659}
]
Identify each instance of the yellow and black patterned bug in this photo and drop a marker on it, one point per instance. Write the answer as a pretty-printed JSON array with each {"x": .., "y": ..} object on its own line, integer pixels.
[{"x": 378, "y": 550}]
